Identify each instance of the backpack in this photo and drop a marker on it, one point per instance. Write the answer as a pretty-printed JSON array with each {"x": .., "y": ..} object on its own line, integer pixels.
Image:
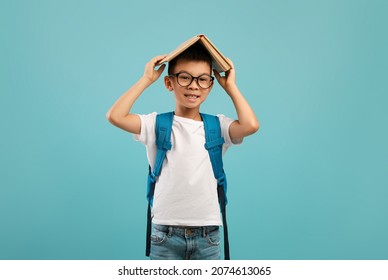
[{"x": 213, "y": 145}]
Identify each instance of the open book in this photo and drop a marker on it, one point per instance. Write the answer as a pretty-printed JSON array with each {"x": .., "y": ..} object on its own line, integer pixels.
[{"x": 220, "y": 63}]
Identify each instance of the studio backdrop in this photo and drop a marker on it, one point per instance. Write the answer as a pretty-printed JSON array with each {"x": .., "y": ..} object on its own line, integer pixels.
[{"x": 311, "y": 184}]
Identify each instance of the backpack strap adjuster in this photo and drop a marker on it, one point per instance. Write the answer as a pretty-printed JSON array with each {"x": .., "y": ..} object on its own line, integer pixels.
[
  {"x": 221, "y": 179},
  {"x": 152, "y": 177},
  {"x": 211, "y": 144},
  {"x": 167, "y": 145}
]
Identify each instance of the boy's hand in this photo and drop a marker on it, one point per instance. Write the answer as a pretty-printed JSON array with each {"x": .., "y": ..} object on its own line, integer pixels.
[
  {"x": 150, "y": 73},
  {"x": 227, "y": 81},
  {"x": 247, "y": 123}
]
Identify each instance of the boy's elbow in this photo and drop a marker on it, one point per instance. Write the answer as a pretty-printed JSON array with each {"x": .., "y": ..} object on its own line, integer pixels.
[
  {"x": 253, "y": 127},
  {"x": 112, "y": 118},
  {"x": 108, "y": 116}
]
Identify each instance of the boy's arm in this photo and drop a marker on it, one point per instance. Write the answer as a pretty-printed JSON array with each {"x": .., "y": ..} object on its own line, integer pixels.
[
  {"x": 247, "y": 123},
  {"x": 120, "y": 113}
]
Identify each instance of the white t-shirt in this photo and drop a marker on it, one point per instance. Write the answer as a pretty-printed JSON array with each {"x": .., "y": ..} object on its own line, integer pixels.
[{"x": 186, "y": 190}]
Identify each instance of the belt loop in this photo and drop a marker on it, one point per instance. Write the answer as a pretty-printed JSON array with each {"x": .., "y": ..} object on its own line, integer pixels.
[
  {"x": 170, "y": 230},
  {"x": 204, "y": 231}
]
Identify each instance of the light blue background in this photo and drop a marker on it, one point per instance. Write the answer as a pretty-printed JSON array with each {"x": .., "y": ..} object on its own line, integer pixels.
[{"x": 311, "y": 184}]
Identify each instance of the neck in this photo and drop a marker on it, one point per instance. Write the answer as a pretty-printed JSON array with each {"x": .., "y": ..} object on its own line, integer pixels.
[{"x": 188, "y": 113}]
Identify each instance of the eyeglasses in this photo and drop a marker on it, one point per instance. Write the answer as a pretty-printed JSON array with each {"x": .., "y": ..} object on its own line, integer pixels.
[{"x": 184, "y": 79}]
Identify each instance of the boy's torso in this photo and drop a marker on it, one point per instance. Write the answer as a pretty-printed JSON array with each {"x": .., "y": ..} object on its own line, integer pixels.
[{"x": 185, "y": 193}]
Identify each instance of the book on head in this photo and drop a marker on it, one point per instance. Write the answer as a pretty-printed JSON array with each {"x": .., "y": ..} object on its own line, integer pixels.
[{"x": 220, "y": 63}]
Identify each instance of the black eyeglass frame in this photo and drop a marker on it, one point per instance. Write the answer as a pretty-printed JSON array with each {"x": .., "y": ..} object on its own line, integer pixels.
[{"x": 192, "y": 79}]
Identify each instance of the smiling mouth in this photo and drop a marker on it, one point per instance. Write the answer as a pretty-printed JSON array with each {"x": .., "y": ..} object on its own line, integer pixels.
[{"x": 192, "y": 96}]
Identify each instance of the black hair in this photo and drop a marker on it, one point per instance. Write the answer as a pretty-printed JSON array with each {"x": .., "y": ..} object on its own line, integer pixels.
[{"x": 196, "y": 52}]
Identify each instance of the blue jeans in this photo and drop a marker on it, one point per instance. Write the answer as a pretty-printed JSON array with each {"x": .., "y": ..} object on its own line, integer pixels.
[{"x": 185, "y": 243}]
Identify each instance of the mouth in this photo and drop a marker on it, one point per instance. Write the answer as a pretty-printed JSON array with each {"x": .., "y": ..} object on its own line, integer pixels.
[{"x": 192, "y": 96}]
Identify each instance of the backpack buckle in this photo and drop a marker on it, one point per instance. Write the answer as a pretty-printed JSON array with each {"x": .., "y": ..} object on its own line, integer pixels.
[
  {"x": 211, "y": 144},
  {"x": 221, "y": 179},
  {"x": 152, "y": 177},
  {"x": 167, "y": 145}
]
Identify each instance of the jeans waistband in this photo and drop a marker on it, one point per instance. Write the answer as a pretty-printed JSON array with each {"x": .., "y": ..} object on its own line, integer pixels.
[{"x": 186, "y": 231}]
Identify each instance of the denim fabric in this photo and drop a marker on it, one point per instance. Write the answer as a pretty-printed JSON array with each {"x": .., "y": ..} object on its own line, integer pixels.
[{"x": 185, "y": 243}]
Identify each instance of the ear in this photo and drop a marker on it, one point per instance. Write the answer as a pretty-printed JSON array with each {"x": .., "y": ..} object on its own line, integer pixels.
[
  {"x": 168, "y": 83},
  {"x": 211, "y": 87}
]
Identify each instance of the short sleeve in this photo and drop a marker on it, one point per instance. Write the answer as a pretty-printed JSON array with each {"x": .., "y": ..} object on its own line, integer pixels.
[
  {"x": 147, "y": 131},
  {"x": 225, "y": 123}
]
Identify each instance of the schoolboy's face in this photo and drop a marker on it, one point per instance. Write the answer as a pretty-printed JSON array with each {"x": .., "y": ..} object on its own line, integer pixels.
[{"x": 191, "y": 96}]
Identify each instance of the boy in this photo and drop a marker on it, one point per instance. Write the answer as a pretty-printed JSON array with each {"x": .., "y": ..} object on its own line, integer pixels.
[{"x": 186, "y": 213}]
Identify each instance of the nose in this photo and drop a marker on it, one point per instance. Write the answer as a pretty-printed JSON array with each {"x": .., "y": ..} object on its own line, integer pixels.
[{"x": 192, "y": 85}]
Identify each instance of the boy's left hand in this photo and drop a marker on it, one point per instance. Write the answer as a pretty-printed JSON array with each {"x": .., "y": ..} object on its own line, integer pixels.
[{"x": 229, "y": 79}]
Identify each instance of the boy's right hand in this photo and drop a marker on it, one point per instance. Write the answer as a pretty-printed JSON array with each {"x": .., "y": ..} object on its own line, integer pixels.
[
  {"x": 120, "y": 113},
  {"x": 150, "y": 73}
]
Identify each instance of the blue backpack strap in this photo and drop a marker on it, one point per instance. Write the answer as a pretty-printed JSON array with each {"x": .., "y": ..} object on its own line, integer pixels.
[
  {"x": 163, "y": 128},
  {"x": 213, "y": 145}
]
